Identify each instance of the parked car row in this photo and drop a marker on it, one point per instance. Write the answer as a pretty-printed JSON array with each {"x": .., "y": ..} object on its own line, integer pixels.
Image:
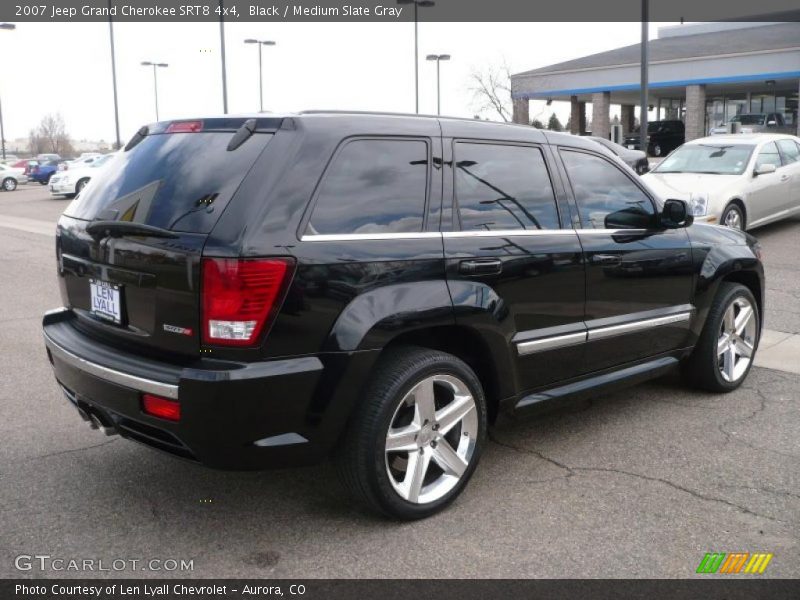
[
  {"x": 76, "y": 176},
  {"x": 65, "y": 177}
]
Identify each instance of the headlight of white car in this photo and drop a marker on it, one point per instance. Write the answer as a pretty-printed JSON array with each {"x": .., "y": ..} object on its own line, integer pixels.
[{"x": 698, "y": 204}]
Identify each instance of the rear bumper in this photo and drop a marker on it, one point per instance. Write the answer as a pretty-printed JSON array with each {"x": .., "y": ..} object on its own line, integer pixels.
[{"x": 239, "y": 416}]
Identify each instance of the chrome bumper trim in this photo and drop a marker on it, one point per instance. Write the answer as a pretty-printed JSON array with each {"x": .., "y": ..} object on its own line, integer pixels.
[{"x": 141, "y": 384}]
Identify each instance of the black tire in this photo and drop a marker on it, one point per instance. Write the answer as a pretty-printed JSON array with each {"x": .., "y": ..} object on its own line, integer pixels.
[
  {"x": 362, "y": 459},
  {"x": 702, "y": 368},
  {"x": 81, "y": 184},
  {"x": 9, "y": 184},
  {"x": 734, "y": 207}
]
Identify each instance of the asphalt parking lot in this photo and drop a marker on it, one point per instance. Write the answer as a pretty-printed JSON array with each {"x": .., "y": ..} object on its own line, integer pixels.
[{"x": 637, "y": 484}]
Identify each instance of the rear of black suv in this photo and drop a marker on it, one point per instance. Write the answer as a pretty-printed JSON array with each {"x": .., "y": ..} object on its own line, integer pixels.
[{"x": 163, "y": 334}]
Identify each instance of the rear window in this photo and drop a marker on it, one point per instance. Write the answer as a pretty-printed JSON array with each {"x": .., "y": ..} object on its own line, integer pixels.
[
  {"x": 373, "y": 186},
  {"x": 178, "y": 181},
  {"x": 502, "y": 187}
]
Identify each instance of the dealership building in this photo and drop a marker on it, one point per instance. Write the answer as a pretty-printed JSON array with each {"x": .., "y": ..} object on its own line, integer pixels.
[{"x": 701, "y": 73}]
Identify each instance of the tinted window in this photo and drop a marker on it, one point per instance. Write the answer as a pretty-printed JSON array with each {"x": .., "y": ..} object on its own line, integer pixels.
[
  {"x": 373, "y": 186},
  {"x": 503, "y": 187},
  {"x": 601, "y": 189},
  {"x": 789, "y": 151},
  {"x": 179, "y": 181},
  {"x": 768, "y": 156}
]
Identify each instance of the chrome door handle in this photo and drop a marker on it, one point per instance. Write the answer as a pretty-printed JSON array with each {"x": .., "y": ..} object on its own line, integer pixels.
[
  {"x": 480, "y": 267},
  {"x": 785, "y": 177},
  {"x": 605, "y": 259}
]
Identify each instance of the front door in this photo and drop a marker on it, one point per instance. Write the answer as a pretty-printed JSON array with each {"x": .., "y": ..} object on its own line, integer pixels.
[
  {"x": 513, "y": 271},
  {"x": 638, "y": 276}
]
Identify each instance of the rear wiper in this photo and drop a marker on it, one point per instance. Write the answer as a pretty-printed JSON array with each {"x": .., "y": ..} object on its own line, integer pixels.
[{"x": 103, "y": 229}]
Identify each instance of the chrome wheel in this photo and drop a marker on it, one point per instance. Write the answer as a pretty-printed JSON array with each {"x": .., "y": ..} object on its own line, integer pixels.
[
  {"x": 737, "y": 339},
  {"x": 733, "y": 218},
  {"x": 9, "y": 185},
  {"x": 431, "y": 439}
]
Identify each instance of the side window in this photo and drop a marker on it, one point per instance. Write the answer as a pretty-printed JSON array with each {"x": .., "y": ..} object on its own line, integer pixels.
[
  {"x": 503, "y": 187},
  {"x": 373, "y": 186},
  {"x": 769, "y": 156},
  {"x": 606, "y": 197},
  {"x": 789, "y": 151}
]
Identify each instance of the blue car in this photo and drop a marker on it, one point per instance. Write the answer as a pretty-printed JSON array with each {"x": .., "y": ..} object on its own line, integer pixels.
[{"x": 44, "y": 170}]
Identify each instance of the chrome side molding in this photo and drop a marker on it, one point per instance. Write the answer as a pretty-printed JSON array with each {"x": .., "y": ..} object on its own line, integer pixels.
[
  {"x": 598, "y": 333},
  {"x": 551, "y": 343},
  {"x": 614, "y": 330}
]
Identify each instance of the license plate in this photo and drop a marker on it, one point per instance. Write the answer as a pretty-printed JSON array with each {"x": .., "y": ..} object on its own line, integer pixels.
[
  {"x": 630, "y": 146},
  {"x": 106, "y": 300}
]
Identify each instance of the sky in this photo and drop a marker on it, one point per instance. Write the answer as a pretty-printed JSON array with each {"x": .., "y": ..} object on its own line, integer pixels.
[{"x": 66, "y": 68}]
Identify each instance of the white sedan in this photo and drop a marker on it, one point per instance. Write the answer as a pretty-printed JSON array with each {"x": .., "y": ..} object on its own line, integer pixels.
[
  {"x": 73, "y": 180},
  {"x": 10, "y": 177},
  {"x": 742, "y": 181}
]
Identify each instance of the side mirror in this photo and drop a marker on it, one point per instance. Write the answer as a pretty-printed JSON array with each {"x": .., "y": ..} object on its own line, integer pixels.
[
  {"x": 675, "y": 214},
  {"x": 765, "y": 169}
]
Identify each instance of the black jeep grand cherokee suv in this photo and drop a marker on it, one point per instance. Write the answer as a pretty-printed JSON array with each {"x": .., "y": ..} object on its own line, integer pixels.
[{"x": 252, "y": 292}]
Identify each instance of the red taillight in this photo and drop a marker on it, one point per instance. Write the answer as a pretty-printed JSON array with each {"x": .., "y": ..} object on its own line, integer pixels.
[
  {"x": 185, "y": 127},
  {"x": 162, "y": 408},
  {"x": 240, "y": 297}
]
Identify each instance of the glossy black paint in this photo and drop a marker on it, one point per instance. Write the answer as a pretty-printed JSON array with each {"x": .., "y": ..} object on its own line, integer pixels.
[{"x": 351, "y": 298}]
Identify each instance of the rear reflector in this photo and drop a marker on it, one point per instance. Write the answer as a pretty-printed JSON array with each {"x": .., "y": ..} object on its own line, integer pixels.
[
  {"x": 185, "y": 127},
  {"x": 241, "y": 297},
  {"x": 162, "y": 408}
]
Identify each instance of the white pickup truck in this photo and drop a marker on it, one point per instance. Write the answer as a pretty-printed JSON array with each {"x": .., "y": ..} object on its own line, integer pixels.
[{"x": 756, "y": 123}]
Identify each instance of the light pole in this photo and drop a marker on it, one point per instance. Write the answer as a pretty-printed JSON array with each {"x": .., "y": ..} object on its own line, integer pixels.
[
  {"x": 260, "y": 44},
  {"x": 155, "y": 65},
  {"x": 644, "y": 78},
  {"x": 114, "y": 75},
  {"x": 222, "y": 57},
  {"x": 417, "y": 4},
  {"x": 438, "y": 58},
  {"x": 10, "y": 27}
]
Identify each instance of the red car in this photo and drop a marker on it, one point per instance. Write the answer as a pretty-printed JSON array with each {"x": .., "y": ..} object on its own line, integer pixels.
[{"x": 25, "y": 164}]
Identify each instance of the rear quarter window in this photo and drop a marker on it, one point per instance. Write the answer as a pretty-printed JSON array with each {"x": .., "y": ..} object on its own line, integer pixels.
[
  {"x": 177, "y": 181},
  {"x": 373, "y": 186}
]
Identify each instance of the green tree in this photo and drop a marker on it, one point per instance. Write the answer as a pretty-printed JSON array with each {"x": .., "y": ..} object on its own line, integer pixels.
[
  {"x": 553, "y": 124},
  {"x": 537, "y": 124}
]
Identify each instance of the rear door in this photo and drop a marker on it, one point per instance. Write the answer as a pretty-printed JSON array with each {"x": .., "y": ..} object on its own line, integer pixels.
[
  {"x": 514, "y": 270},
  {"x": 638, "y": 276},
  {"x": 769, "y": 193},
  {"x": 144, "y": 291},
  {"x": 790, "y": 157}
]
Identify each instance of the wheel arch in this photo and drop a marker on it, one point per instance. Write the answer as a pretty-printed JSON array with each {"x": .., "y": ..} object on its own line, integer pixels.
[
  {"x": 739, "y": 201},
  {"x": 733, "y": 263},
  {"x": 492, "y": 368}
]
